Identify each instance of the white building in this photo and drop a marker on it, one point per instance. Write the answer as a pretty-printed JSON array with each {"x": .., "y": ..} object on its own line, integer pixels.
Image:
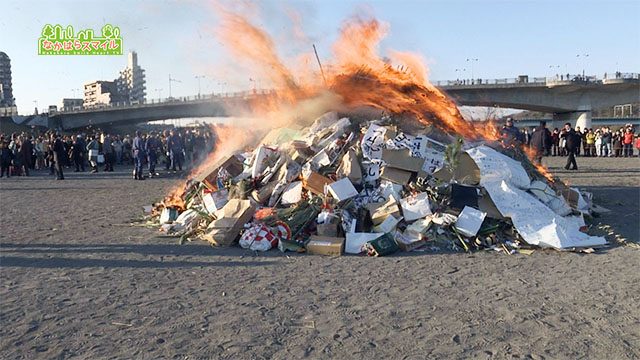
[
  {"x": 131, "y": 82},
  {"x": 101, "y": 93},
  {"x": 69, "y": 104}
]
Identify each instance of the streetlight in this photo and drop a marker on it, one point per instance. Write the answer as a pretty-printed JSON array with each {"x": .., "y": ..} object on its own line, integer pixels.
[
  {"x": 254, "y": 84},
  {"x": 199, "y": 77},
  {"x": 172, "y": 80},
  {"x": 73, "y": 91},
  {"x": 554, "y": 67},
  {"x": 158, "y": 91},
  {"x": 584, "y": 56},
  {"x": 222, "y": 86},
  {"x": 472, "y": 60}
]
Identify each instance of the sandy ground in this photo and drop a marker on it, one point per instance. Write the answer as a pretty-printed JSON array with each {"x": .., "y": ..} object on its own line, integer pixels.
[{"x": 78, "y": 283}]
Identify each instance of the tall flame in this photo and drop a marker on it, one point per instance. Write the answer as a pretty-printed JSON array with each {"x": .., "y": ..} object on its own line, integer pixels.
[{"x": 356, "y": 76}]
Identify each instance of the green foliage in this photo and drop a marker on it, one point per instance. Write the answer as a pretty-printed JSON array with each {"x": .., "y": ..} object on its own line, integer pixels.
[{"x": 451, "y": 153}]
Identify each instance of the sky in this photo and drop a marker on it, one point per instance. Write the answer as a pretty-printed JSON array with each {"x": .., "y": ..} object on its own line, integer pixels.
[{"x": 508, "y": 38}]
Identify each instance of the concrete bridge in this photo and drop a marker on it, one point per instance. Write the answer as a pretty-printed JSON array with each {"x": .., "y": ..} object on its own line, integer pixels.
[
  {"x": 569, "y": 99},
  {"x": 174, "y": 108},
  {"x": 596, "y": 122}
]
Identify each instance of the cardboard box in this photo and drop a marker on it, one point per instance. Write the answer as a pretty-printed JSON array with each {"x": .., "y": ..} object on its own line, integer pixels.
[
  {"x": 325, "y": 245},
  {"x": 315, "y": 183},
  {"x": 216, "y": 200},
  {"x": 409, "y": 240},
  {"x": 355, "y": 241},
  {"x": 231, "y": 164},
  {"x": 469, "y": 221},
  {"x": 330, "y": 230},
  {"x": 292, "y": 194},
  {"x": 401, "y": 159},
  {"x": 262, "y": 195},
  {"x": 350, "y": 167},
  {"x": 300, "y": 157},
  {"x": 415, "y": 207},
  {"x": 225, "y": 229},
  {"x": 466, "y": 173},
  {"x": 388, "y": 225},
  {"x": 397, "y": 176},
  {"x": 380, "y": 211},
  {"x": 462, "y": 196},
  {"x": 384, "y": 245},
  {"x": 342, "y": 189}
]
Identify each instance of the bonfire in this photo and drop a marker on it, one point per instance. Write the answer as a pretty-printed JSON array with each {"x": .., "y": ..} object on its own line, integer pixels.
[{"x": 370, "y": 159}]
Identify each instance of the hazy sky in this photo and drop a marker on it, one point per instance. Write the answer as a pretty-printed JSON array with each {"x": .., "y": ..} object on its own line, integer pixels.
[{"x": 508, "y": 38}]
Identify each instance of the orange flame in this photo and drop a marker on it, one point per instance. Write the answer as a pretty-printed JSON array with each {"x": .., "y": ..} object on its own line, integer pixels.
[
  {"x": 531, "y": 154},
  {"x": 358, "y": 74}
]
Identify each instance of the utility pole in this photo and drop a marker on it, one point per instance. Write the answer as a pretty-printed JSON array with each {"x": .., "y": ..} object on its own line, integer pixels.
[
  {"x": 472, "y": 60},
  {"x": 172, "y": 80},
  {"x": 199, "y": 89},
  {"x": 462, "y": 71}
]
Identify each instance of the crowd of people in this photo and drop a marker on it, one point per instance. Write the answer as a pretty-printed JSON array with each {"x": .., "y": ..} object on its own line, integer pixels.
[
  {"x": 570, "y": 142},
  {"x": 176, "y": 149}
]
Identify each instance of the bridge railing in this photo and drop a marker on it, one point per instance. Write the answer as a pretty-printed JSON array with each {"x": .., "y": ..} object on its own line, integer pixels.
[
  {"x": 537, "y": 81},
  {"x": 169, "y": 101}
]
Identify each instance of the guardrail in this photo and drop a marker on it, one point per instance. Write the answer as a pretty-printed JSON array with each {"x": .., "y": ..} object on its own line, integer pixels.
[
  {"x": 168, "y": 101},
  {"x": 525, "y": 80}
]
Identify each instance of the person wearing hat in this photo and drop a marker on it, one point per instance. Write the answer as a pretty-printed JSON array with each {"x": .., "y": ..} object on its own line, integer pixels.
[
  {"x": 511, "y": 134},
  {"x": 139, "y": 153}
]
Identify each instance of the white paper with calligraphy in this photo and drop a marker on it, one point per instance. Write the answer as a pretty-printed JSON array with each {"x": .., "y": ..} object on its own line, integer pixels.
[
  {"x": 506, "y": 181},
  {"x": 373, "y": 142},
  {"x": 371, "y": 170}
]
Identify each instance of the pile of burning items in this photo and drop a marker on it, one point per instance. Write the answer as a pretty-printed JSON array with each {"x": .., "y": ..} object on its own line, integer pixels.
[{"x": 377, "y": 187}]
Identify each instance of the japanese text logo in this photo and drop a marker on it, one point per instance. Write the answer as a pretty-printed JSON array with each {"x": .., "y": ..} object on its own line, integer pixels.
[{"x": 56, "y": 40}]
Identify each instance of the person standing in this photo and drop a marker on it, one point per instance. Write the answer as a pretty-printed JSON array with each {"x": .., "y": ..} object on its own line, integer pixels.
[
  {"x": 590, "y": 139},
  {"x": 606, "y": 142},
  {"x": 59, "y": 153},
  {"x": 175, "y": 150},
  {"x": 118, "y": 147},
  {"x": 5, "y": 157},
  {"x": 93, "y": 147},
  {"x": 555, "y": 142},
  {"x": 39, "y": 150},
  {"x": 511, "y": 136},
  {"x": 26, "y": 151},
  {"x": 107, "y": 150},
  {"x": 540, "y": 141},
  {"x": 77, "y": 153},
  {"x": 138, "y": 156},
  {"x": 627, "y": 142},
  {"x": 152, "y": 146},
  {"x": 572, "y": 144}
]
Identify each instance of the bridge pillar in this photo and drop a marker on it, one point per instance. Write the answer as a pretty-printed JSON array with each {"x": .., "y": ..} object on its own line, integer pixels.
[{"x": 580, "y": 118}]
